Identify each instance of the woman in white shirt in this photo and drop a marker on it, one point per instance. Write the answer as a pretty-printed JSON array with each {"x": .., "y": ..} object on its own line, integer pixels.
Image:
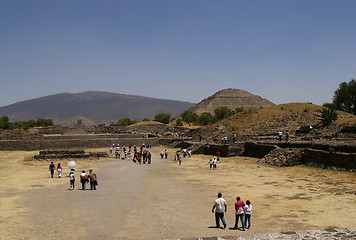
[{"x": 248, "y": 211}]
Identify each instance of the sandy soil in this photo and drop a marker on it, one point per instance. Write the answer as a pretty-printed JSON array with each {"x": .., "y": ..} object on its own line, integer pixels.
[{"x": 165, "y": 200}]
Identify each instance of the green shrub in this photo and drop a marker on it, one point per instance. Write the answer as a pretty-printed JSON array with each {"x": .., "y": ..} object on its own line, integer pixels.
[
  {"x": 328, "y": 115},
  {"x": 179, "y": 122},
  {"x": 163, "y": 118}
]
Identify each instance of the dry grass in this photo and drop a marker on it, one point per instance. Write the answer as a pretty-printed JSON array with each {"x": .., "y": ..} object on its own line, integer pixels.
[{"x": 301, "y": 114}]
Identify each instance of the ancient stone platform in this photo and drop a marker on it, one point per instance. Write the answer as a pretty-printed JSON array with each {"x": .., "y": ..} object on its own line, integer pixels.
[{"x": 339, "y": 233}]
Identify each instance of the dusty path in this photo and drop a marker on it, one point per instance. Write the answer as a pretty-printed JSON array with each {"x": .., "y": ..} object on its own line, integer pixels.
[
  {"x": 164, "y": 200},
  {"x": 132, "y": 202}
]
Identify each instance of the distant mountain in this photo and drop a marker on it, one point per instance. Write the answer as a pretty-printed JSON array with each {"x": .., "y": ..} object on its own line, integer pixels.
[
  {"x": 101, "y": 107},
  {"x": 231, "y": 98}
]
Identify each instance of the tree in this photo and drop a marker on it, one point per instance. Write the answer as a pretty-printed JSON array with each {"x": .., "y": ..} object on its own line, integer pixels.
[
  {"x": 126, "y": 121},
  {"x": 328, "y": 116},
  {"x": 179, "y": 122},
  {"x": 239, "y": 110},
  {"x": 222, "y": 113},
  {"x": 205, "y": 118},
  {"x": 345, "y": 97},
  {"x": 329, "y": 105},
  {"x": 4, "y": 122},
  {"x": 145, "y": 120},
  {"x": 163, "y": 117},
  {"x": 44, "y": 122},
  {"x": 190, "y": 117}
]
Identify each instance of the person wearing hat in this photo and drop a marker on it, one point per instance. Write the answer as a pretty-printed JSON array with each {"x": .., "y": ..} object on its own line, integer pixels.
[
  {"x": 239, "y": 208},
  {"x": 51, "y": 168}
]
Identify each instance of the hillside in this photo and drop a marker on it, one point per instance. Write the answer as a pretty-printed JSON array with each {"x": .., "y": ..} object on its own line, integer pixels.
[
  {"x": 269, "y": 120},
  {"x": 100, "y": 107},
  {"x": 231, "y": 98},
  {"x": 289, "y": 116}
]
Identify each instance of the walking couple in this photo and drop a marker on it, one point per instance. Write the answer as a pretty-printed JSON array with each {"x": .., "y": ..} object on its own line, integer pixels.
[{"x": 91, "y": 177}]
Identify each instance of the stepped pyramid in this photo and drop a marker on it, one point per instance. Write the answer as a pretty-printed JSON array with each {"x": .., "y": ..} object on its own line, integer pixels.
[{"x": 231, "y": 98}]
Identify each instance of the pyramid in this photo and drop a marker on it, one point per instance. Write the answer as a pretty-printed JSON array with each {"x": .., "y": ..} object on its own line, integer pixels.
[{"x": 231, "y": 98}]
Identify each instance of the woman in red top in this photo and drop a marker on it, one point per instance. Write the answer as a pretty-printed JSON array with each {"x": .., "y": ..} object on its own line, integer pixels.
[
  {"x": 239, "y": 208},
  {"x": 59, "y": 170}
]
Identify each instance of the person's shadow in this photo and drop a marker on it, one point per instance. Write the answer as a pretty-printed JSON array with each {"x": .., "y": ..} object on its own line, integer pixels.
[
  {"x": 233, "y": 228},
  {"x": 215, "y": 227}
]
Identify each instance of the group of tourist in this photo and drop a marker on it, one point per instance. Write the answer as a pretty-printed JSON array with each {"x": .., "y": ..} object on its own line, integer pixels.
[
  {"x": 224, "y": 139},
  {"x": 213, "y": 163},
  {"x": 137, "y": 156},
  {"x": 164, "y": 153},
  {"x": 84, "y": 179},
  {"x": 185, "y": 152},
  {"x": 280, "y": 135},
  {"x": 242, "y": 211}
]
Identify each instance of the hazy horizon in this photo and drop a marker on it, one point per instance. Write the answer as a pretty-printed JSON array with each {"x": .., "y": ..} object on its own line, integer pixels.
[{"x": 283, "y": 51}]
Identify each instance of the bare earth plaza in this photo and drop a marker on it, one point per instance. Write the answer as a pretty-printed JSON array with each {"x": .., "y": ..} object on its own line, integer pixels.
[{"x": 177, "y": 120}]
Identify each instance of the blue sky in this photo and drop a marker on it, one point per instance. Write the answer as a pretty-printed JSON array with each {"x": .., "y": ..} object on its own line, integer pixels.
[{"x": 285, "y": 51}]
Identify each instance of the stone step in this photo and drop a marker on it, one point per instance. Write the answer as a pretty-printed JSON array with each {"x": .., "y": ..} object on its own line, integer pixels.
[{"x": 338, "y": 233}]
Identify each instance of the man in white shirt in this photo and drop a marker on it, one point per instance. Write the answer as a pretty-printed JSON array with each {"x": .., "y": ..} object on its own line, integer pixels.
[{"x": 221, "y": 208}]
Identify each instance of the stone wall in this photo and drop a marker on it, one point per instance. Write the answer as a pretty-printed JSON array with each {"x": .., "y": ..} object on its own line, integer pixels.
[
  {"x": 327, "y": 159},
  {"x": 29, "y": 145},
  {"x": 257, "y": 150}
]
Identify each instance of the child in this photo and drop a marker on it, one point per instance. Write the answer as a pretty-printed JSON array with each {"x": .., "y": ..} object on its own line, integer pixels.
[
  {"x": 211, "y": 163},
  {"x": 71, "y": 180},
  {"x": 248, "y": 210}
]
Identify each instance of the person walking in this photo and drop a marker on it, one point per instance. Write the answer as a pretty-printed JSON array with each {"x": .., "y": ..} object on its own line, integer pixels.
[
  {"x": 211, "y": 163},
  {"x": 248, "y": 211},
  {"x": 214, "y": 163},
  {"x": 92, "y": 178},
  {"x": 239, "y": 210},
  {"x": 59, "y": 170},
  {"x": 221, "y": 208},
  {"x": 51, "y": 168},
  {"x": 287, "y": 135},
  {"x": 280, "y": 135},
  {"x": 83, "y": 179},
  {"x": 71, "y": 180}
]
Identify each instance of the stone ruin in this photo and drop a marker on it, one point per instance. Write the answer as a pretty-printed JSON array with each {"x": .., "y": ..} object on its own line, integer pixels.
[
  {"x": 68, "y": 154},
  {"x": 283, "y": 157}
]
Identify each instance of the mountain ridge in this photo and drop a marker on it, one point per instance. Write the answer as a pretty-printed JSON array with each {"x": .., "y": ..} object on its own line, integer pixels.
[{"x": 99, "y": 106}]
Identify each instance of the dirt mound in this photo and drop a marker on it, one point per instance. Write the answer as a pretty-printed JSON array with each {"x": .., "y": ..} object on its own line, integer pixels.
[
  {"x": 283, "y": 157},
  {"x": 265, "y": 123},
  {"x": 154, "y": 127},
  {"x": 231, "y": 98}
]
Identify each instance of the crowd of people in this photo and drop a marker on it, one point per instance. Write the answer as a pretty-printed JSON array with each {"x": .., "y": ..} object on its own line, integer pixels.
[
  {"x": 242, "y": 212},
  {"x": 141, "y": 155}
]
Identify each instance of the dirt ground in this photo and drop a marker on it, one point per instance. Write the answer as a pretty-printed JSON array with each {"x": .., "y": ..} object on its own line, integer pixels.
[{"x": 165, "y": 200}]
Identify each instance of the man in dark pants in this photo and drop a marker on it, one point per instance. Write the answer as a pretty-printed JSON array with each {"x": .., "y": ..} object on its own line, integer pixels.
[
  {"x": 93, "y": 179},
  {"x": 220, "y": 205},
  {"x": 51, "y": 168}
]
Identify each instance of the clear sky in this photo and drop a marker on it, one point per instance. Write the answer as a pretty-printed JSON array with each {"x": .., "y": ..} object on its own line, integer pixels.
[{"x": 282, "y": 50}]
